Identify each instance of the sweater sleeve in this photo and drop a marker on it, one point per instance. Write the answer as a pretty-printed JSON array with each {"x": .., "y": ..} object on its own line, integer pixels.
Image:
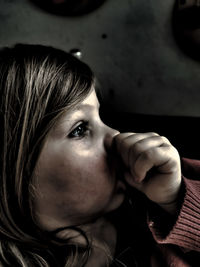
[{"x": 185, "y": 231}]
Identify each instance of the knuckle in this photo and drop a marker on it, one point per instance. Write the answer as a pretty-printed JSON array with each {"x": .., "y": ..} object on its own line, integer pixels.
[
  {"x": 165, "y": 140},
  {"x": 138, "y": 147},
  {"x": 154, "y": 134}
]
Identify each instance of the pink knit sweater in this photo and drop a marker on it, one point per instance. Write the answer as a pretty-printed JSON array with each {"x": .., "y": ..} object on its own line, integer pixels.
[{"x": 179, "y": 242}]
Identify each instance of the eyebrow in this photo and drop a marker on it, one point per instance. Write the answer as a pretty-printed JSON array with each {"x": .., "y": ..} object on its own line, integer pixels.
[{"x": 83, "y": 106}]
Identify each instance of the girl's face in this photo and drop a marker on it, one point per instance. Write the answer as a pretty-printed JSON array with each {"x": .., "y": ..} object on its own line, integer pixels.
[{"x": 76, "y": 175}]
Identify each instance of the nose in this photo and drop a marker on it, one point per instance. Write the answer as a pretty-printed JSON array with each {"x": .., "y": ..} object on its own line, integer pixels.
[{"x": 110, "y": 133}]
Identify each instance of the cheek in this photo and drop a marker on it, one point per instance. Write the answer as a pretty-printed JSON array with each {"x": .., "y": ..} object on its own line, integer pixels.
[
  {"x": 77, "y": 175},
  {"x": 97, "y": 169},
  {"x": 79, "y": 186},
  {"x": 88, "y": 178},
  {"x": 91, "y": 163},
  {"x": 96, "y": 179}
]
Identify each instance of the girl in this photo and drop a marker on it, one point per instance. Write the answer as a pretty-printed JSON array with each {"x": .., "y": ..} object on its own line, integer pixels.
[{"x": 67, "y": 179}]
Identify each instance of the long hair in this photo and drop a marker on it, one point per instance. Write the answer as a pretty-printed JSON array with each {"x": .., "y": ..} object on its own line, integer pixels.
[{"x": 37, "y": 85}]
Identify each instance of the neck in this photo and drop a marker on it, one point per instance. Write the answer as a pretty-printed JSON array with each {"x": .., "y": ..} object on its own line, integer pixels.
[{"x": 102, "y": 235}]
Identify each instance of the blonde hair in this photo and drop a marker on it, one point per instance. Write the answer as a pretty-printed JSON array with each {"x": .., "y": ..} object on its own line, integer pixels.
[{"x": 37, "y": 84}]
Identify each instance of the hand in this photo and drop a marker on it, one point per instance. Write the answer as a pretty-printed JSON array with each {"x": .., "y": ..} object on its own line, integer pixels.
[{"x": 153, "y": 166}]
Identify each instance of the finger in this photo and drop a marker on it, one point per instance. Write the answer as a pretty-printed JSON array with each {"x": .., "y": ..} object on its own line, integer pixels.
[
  {"x": 145, "y": 144},
  {"x": 164, "y": 158},
  {"x": 125, "y": 141}
]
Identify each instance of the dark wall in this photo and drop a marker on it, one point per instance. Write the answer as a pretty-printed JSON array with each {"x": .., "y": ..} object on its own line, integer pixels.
[
  {"x": 128, "y": 43},
  {"x": 182, "y": 132}
]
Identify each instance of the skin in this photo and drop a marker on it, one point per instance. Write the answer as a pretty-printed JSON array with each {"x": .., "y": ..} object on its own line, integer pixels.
[
  {"x": 77, "y": 175},
  {"x": 77, "y": 172},
  {"x": 141, "y": 152}
]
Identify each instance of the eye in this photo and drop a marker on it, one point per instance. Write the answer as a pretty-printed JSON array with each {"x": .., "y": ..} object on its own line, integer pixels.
[{"x": 80, "y": 131}]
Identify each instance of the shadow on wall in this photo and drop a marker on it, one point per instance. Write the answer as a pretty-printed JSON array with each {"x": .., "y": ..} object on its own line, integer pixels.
[
  {"x": 186, "y": 27},
  {"x": 68, "y": 7}
]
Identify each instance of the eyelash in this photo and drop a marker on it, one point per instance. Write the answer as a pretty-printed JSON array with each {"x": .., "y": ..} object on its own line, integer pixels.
[{"x": 80, "y": 131}]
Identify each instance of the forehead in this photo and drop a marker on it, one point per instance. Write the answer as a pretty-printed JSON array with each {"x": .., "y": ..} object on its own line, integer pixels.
[{"x": 90, "y": 100}]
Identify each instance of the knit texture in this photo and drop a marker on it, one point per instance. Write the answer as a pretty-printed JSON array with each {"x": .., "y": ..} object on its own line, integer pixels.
[{"x": 178, "y": 238}]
